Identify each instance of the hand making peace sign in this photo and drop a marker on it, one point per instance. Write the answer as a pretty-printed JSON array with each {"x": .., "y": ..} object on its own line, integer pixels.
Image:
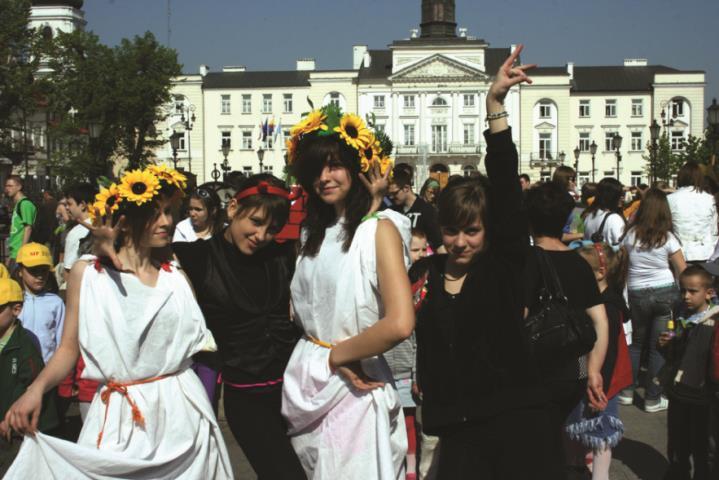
[{"x": 508, "y": 76}]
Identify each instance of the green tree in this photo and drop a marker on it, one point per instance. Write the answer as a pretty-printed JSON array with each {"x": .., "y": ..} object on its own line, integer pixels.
[
  {"x": 667, "y": 162},
  {"x": 695, "y": 149},
  {"x": 118, "y": 90},
  {"x": 21, "y": 93}
]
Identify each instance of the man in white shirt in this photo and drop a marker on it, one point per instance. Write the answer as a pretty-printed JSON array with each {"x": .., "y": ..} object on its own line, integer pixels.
[{"x": 79, "y": 201}]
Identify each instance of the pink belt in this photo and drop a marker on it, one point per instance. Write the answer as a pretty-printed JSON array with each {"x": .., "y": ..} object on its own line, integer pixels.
[{"x": 268, "y": 383}]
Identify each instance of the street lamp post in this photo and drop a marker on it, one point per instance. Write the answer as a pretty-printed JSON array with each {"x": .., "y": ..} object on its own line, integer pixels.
[
  {"x": 175, "y": 143},
  {"x": 713, "y": 121},
  {"x": 654, "y": 132},
  {"x": 617, "y": 145},
  {"x": 576, "y": 160},
  {"x": 593, "y": 151},
  {"x": 188, "y": 122},
  {"x": 225, "y": 164},
  {"x": 261, "y": 157}
]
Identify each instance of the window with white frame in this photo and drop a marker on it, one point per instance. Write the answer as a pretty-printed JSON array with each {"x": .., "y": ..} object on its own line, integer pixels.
[
  {"x": 545, "y": 110},
  {"x": 38, "y": 137},
  {"x": 225, "y": 104},
  {"x": 609, "y": 141},
  {"x": 677, "y": 108},
  {"x": 408, "y": 101},
  {"x": 267, "y": 169},
  {"x": 584, "y": 108},
  {"x": 269, "y": 143},
  {"x": 247, "y": 171},
  {"x": 183, "y": 142},
  {"x": 246, "y": 103},
  {"x": 545, "y": 176},
  {"x": 636, "y": 178},
  {"x": 378, "y": 101},
  {"x": 285, "y": 135},
  {"x": 609, "y": 173},
  {"x": 637, "y": 142},
  {"x": 637, "y": 107},
  {"x": 677, "y": 140},
  {"x": 266, "y": 103},
  {"x": 468, "y": 100},
  {"x": 468, "y": 170},
  {"x": 582, "y": 178},
  {"x": 379, "y": 127},
  {"x": 439, "y": 138},
  {"x": 545, "y": 146},
  {"x": 409, "y": 134},
  {"x": 584, "y": 141},
  {"x": 468, "y": 134},
  {"x": 439, "y": 102},
  {"x": 610, "y": 107},
  {"x": 247, "y": 139},
  {"x": 226, "y": 141},
  {"x": 287, "y": 102},
  {"x": 335, "y": 99}
]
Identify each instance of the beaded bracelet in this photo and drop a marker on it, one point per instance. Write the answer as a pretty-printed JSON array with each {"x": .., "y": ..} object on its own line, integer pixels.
[{"x": 496, "y": 116}]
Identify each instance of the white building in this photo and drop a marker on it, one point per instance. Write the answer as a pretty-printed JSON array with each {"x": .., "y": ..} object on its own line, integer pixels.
[{"x": 428, "y": 93}]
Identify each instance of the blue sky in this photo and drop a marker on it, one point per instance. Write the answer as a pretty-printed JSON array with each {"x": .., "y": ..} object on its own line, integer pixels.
[{"x": 272, "y": 34}]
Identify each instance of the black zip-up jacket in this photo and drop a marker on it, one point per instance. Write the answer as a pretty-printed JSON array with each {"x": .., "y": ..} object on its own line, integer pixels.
[{"x": 472, "y": 357}]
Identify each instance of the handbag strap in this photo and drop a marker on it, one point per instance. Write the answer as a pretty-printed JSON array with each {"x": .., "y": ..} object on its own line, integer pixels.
[
  {"x": 549, "y": 275},
  {"x": 601, "y": 225}
]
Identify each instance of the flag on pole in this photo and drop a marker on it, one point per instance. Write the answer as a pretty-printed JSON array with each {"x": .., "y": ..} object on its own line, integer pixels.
[{"x": 278, "y": 132}]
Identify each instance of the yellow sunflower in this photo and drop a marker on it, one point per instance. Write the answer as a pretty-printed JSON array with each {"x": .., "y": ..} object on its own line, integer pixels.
[
  {"x": 313, "y": 121},
  {"x": 371, "y": 154},
  {"x": 139, "y": 186},
  {"x": 384, "y": 164},
  {"x": 107, "y": 201},
  {"x": 354, "y": 131},
  {"x": 170, "y": 175}
]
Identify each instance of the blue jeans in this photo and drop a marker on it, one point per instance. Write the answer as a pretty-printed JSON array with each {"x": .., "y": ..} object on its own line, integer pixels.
[{"x": 651, "y": 310}]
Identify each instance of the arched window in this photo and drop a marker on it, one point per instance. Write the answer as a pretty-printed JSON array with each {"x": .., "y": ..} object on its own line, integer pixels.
[
  {"x": 335, "y": 98},
  {"x": 468, "y": 170},
  {"x": 439, "y": 102}
]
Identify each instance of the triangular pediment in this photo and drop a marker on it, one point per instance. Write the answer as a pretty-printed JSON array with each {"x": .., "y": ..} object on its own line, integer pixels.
[
  {"x": 545, "y": 126},
  {"x": 438, "y": 68}
]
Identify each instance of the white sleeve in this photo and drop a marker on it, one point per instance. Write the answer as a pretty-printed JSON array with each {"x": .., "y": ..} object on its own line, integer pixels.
[
  {"x": 672, "y": 246},
  {"x": 72, "y": 245},
  {"x": 614, "y": 229}
]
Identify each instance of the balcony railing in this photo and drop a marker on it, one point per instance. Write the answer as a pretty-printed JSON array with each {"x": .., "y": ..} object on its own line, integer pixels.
[
  {"x": 544, "y": 159},
  {"x": 451, "y": 149}
]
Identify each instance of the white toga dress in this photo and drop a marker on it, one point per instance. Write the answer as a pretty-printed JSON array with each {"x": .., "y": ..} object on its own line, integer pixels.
[
  {"x": 337, "y": 432},
  {"x": 128, "y": 332}
]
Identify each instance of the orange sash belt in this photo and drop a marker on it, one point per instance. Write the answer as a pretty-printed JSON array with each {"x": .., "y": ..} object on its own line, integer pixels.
[
  {"x": 318, "y": 342},
  {"x": 121, "y": 388}
]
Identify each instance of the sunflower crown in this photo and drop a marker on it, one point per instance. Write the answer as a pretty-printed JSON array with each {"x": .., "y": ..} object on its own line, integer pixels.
[
  {"x": 136, "y": 188},
  {"x": 373, "y": 146}
]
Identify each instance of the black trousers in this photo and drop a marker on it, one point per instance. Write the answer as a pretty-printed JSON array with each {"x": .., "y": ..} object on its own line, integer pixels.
[
  {"x": 689, "y": 427},
  {"x": 516, "y": 445},
  {"x": 257, "y": 424}
]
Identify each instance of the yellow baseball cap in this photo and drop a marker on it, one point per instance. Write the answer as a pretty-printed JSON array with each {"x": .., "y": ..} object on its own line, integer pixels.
[
  {"x": 33, "y": 255},
  {"x": 10, "y": 291}
]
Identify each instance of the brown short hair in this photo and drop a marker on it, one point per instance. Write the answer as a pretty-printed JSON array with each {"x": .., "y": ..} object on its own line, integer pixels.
[
  {"x": 697, "y": 271},
  {"x": 690, "y": 175},
  {"x": 462, "y": 202}
]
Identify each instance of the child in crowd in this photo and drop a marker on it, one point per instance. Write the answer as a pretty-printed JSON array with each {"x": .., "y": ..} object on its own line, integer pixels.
[
  {"x": 599, "y": 432},
  {"x": 43, "y": 312},
  {"x": 402, "y": 360},
  {"x": 686, "y": 345},
  {"x": 20, "y": 363}
]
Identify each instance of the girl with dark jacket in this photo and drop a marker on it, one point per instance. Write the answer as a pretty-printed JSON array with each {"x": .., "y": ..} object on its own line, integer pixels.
[{"x": 481, "y": 394}]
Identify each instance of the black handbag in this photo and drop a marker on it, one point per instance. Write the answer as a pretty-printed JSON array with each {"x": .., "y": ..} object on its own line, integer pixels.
[{"x": 557, "y": 332}]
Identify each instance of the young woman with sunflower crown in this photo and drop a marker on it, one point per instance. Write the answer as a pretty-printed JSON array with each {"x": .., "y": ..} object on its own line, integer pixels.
[
  {"x": 137, "y": 325},
  {"x": 351, "y": 297}
]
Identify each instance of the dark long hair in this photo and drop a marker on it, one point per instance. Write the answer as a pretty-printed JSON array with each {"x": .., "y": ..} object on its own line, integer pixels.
[
  {"x": 211, "y": 201},
  {"x": 314, "y": 152},
  {"x": 275, "y": 208},
  {"x": 609, "y": 192},
  {"x": 653, "y": 221}
]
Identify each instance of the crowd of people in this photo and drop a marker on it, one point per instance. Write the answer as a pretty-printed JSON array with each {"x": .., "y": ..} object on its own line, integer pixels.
[{"x": 484, "y": 327}]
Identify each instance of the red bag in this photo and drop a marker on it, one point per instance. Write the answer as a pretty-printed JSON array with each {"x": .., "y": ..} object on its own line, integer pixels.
[{"x": 622, "y": 374}]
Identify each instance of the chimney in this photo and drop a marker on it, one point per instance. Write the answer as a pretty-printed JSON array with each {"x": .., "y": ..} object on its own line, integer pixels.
[
  {"x": 358, "y": 52},
  {"x": 367, "y": 60},
  {"x": 305, "y": 64},
  {"x": 570, "y": 70},
  {"x": 234, "y": 68},
  {"x": 636, "y": 62},
  {"x": 204, "y": 69},
  {"x": 462, "y": 32},
  {"x": 414, "y": 33}
]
